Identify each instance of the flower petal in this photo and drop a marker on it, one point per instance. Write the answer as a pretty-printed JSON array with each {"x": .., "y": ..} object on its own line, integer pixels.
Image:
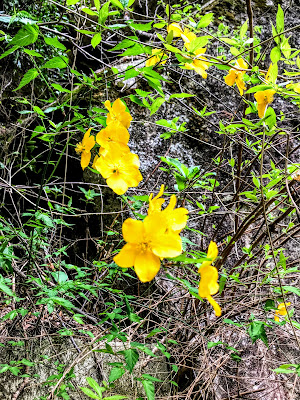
[
  {"x": 117, "y": 183},
  {"x": 126, "y": 256},
  {"x": 216, "y": 307},
  {"x": 146, "y": 265},
  {"x": 133, "y": 231},
  {"x": 85, "y": 159},
  {"x": 168, "y": 245}
]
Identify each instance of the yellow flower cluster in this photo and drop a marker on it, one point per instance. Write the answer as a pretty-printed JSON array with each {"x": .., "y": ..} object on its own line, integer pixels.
[
  {"x": 199, "y": 64},
  {"x": 115, "y": 162},
  {"x": 152, "y": 239},
  {"x": 264, "y": 97},
  {"x": 281, "y": 310},
  {"x": 235, "y": 75},
  {"x": 158, "y": 57},
  {"x": 208, "y": 285}
]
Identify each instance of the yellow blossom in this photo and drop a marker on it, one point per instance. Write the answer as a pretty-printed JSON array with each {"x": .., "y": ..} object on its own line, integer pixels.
[
  {"x": 199, "y": 64},
  {"x": 121, "y": 170},
  {"x": 174, "y": 218},
  {"x": 177, "y": 31},
  {"x": 158, "y": 56},
  {"x": 188, "y": 37},
  {"x": 155, "y": 203},
  {"x": 94, "y": 161},
  {"x": 294, "y": 86},
  {"x": 114, "y": 132},
  {"x": 85, "y": 147},
  {"x": 208, "y": 285},
  {"x": 264, "y": 98},
  {"x": 235, "y": 75},
  {"x": 281, "y": 310},
  {"x": 147, "y": 243},
  {"x": 118, "y": 113}
]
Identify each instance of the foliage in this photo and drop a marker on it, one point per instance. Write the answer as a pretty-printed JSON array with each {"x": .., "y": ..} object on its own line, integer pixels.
[{"x": 217, "y": 215}]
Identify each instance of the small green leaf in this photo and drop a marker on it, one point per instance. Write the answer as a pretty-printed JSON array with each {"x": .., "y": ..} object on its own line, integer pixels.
[
  {"x": 142, "y": 27},
  {"x": 115, "y": 373},
  {"x": 9, "y": 51},
  {"x": 28, "y": 77},
  {"x": 244, "y": 29},
  {"x": 96, "y": 39},
  {"x": 32, "y": 53},
  {"x": 275, "y": 54},
  {"x": 103, "y": 14},
  {"x": 259, "y": 88},
  {"x": 156, "y": 104},
  {"x": 149, "y": 389},
  {"x": 117, "y": 3},
  {"x": 131, "y": 358},
  {"x": 56, "y": 62},
  {"x": 256, "y": 331},
  {"x": 54, "y": 42},
  {"x": 205, "y": 20},
  {"x": 90, "y": 393},
  {"x": 88, "y": 11},
  {"x": 26, "y": 35},
  {"x": 72, "y": 2},
  {"x": 280, "y": 20}
]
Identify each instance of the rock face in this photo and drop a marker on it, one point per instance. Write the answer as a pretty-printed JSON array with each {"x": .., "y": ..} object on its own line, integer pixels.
[{"x": 50, "y": 358}]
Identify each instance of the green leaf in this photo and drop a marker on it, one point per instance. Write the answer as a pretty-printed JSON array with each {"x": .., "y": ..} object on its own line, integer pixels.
[
  {"x": 270, "y": 117},
  {"x": 244, "y": 29},
  {"x": 131, "y": 358},
  {"x": 94, "y": 385},
  {"x": 4, "y": 288},
  {"x": 234, "y": 51},
  {"x": 256, "y": 331},
  {"x": 151, "y": 378},
  {"x": 180, "y": 95},
  {"x": 88, "y": 11},
  {"x": 275, "y": 54},
  {"x": 279, "y": 20},
  {"x": 205, "y": 20},
  {"x": 142, "y": 27},
  {"x": 103, "y": 14},
  {"x": 60, "y": 88},
  {"x": 156, "y": 104},
  {"x": 198, "y": 43},
  {"x": 72, "y": 2},
  {"x": 292, "y": 289},
  {"x": 124, "y": 44},
  {"x": 9, "y": 51},
  {"x": 96, "y": 39},
  {"x": 90, "y": 393},
  {"x": 28, "y": 77},
  {"x": 115, "y": 373},
  {"x": 213, "y": 344},
  {"x": 259, "y": 88},
  {"x": 26, "y": 35},
  {"x": 97, "y": 4},
  {"x": 56, "y": 62},
  {"x": 54, "y": 42},
  {"x": 149, "y": 389},
  {"x": 32, "y": 53},
  {"x": 60, "y": 276},
  {"x": 273, "y": 73},
  {"x": 117, "y": 3},
  {"x": 135, "y": 50}
]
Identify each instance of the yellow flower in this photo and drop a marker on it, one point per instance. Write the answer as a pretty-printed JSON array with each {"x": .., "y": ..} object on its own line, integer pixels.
[
  {"x": 155, "y": 203},
  {"x": 188, "y": 37},
  {"x": 235, "y": 75},
  {"x": 147, "y": 243},
  {"x": 121, "y": 170},
  {"x": 208, "y": 285},
  {"x": 117, "y": 112},
  {"x": 281, "y": 310},
  {"x": 114, "y": 132},
  {"x": 199, "y": 64},
  {"x": 94, "y": 161},
  {"x": 158, "y": 56},
  {"x": 174, "y": 218},
  {"x": 294, "y": 86},
  {"x": 85, "y": 147},
  {"x": 264, "y": 98},
  {"x": 177, "y": 31}
]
